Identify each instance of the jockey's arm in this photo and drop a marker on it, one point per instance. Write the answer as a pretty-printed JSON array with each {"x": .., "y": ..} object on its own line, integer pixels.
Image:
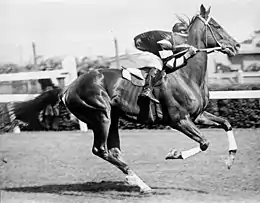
[{"x": 177, "y": 61}]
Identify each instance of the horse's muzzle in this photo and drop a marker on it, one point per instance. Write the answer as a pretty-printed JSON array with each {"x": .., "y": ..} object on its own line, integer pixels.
[{"x": 231, "y": 49}]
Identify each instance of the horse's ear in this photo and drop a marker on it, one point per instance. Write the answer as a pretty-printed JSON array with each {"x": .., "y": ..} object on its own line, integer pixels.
[
  {"x": 202, "y": 10},
  {"x": 208, "y": 11}
]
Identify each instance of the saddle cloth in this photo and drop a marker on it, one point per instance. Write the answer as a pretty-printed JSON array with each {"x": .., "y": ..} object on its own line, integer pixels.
[{"x": 128, "y": 98}]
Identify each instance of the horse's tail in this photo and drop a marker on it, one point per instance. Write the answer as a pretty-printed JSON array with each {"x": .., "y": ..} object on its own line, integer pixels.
[
  {"x": 7, "y": 118},
  {"x": 27, "y": 113}
]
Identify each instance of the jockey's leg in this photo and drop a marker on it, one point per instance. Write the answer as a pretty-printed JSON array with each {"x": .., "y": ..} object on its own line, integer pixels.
[{"x": 153, "y": 76}]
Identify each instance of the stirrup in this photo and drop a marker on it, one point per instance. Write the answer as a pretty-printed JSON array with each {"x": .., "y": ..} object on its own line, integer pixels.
[{"x": 148, "y": 93}]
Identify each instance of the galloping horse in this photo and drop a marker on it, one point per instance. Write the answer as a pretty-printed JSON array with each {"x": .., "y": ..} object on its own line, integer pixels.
[{"x": 95, "y": 99}]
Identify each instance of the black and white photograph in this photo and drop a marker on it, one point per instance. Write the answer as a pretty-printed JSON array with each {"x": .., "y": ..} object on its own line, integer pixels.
[{"x": 129, "y": 101}]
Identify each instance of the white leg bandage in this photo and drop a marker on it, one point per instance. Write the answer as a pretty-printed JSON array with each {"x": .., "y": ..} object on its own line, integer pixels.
[
  {"x": 191, "y": 152},
  {"x": 231, "y": 140},
  {"x": 134, "y": 180}
]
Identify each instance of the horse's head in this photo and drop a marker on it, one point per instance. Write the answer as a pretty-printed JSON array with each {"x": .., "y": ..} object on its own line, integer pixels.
[{"x": 214, "y": 34}]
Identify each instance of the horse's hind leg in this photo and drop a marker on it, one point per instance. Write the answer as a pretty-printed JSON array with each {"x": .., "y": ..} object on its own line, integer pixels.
[
  {"x": 107, "y": 146},
  {"x": 209, "y": 119},
  {"x": 113, "y": 144},
  {"x": 104, "y": 126},
  {"x": 187, "y": 127}
]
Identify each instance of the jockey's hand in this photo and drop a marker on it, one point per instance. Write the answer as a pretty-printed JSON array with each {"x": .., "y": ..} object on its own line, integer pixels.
[{"x": 192, "y": 50}]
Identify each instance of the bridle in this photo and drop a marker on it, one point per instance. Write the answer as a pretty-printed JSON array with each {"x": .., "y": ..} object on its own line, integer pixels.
[
  {"x": 208, "y": 50},
  {"x": 207, "y": 24}
]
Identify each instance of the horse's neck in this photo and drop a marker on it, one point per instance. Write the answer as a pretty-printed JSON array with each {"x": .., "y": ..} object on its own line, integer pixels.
[{"x": 197, "y": 66}]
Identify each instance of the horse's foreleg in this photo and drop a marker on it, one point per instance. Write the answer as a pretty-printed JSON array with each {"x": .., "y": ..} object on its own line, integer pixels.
[
  {"x": 211, "y": 120},
  {"x": 187, "y": 127},
  {"x": 113, "y": 144}
]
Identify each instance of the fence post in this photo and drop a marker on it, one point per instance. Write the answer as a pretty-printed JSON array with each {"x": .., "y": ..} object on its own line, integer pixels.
[
  {"x": 240, "y": 78},
  {"x": 69, "y": 64}
]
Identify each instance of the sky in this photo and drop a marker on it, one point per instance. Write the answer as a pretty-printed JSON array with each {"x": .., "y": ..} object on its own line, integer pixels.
[{"x": 88, "y": 27}]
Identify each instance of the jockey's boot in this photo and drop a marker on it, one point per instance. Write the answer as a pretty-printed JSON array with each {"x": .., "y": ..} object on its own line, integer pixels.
[{"x": 151, "y": 79}]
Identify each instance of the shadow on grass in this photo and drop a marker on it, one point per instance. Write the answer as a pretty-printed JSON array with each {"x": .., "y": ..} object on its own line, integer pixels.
[
  {"x": 181, "y": 189},
  {"x": 122, "y": 189}
]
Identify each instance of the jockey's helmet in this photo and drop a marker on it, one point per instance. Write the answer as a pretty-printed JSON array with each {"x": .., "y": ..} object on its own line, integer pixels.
[
  {"x": 181, "y": 28},
  {"x": 179, "y": 36}
]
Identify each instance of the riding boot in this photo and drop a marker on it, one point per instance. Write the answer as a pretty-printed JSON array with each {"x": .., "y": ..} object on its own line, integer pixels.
[{"x": 151, "y": 79}]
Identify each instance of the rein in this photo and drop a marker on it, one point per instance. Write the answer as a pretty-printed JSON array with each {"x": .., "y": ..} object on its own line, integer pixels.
[{"x": 209, "y": 50}]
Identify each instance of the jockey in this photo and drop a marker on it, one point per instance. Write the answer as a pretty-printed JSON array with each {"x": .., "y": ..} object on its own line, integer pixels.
[{"x": 172, "y": 49}]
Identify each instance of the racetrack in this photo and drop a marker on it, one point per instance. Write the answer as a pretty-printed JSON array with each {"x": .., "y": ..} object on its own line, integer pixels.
[{"x": 59, "y": 167}]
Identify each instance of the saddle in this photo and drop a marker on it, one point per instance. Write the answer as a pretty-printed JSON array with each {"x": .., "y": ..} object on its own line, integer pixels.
[
  {"x": 134, "y": 70},
  {"x": 135, "y": 67},
  {"x": 129, "y": 96},
  {"x": 135, "y": 76}
]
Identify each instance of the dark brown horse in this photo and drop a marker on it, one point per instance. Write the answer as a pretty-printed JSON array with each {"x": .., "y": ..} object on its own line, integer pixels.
[{"x": 96, "y": 98}]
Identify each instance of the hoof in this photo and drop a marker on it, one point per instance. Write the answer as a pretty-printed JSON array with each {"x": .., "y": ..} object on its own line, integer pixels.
[
  {"x": 173, "y": 154},
  {"x": 231, "y": 158},
  {"x": 4, "y": 160},
  {"x": 204, "y": 146},
  {"x": 134, "y": 180},
  {"x": 228, "y": 163}
]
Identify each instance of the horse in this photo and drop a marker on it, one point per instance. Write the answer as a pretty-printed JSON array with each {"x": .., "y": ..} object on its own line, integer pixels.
[{"x": 95, "y": 98}]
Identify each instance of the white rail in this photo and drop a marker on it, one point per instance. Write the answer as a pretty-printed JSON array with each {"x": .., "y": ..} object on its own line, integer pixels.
[
  {"x": 34, "y": 75},
  {"x": 241, "y": 94},
  {"x": 240, "y": 76},
  {"x": 235, "y": 74},
  {"x": 4, "y": 98}
]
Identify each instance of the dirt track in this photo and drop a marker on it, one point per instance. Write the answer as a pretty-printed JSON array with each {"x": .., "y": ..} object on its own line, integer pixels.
[{"x": 59, "y": 167}]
